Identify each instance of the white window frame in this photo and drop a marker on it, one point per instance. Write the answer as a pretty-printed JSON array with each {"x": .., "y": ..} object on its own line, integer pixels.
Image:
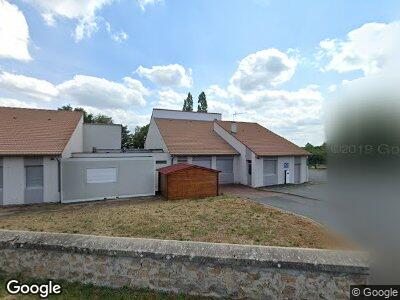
[{"x": 104, "y": 175}]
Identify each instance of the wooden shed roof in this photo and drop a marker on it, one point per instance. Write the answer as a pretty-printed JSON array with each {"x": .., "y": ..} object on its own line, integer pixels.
[{"x": 182, "y": 166}]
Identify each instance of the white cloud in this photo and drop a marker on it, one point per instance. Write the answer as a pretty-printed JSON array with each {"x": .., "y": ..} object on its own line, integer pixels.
[
  {"x": 119, "y": 36},
  {"x": 215, "y": 91},
  {"x": 81, "y": 90},
  {"x": 169, "y": 75},
  {"x": 84, "y": 12},
  {"x": 14, "y": 33},
  {"x": 170, "y": 99},
  {"x": 144, "y": 3},
  {"x": 369, "y": 48},
  {"x": 136, "y": 85},
  {"x": 99, "y": 92},
  {"x": 27, "y": 86},
  {"x": 8, "y": 102},
  {"x": 263, "y": 69},
  {"x": 121, "y": 116}
]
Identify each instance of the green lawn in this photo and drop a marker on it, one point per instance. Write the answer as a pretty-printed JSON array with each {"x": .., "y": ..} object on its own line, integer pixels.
[{"x": 222, "y": 219}]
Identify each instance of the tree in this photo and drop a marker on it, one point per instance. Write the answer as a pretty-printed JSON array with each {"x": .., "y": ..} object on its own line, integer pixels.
[
  {"x": 202, "y": 103},
  {"x": 103, "y": 119},
  {"x": 87, "y": 117},
  {"x": 139, "y": 136},
  {"x": 126, "y": 137},
  {"x": 188, "y": 103},
  {"x": 318, "y": 154}
]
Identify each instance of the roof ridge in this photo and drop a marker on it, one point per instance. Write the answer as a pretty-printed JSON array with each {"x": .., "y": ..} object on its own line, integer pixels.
[
  {"x": 40, "y": 109},
  {"x": 184, "y": 120}
]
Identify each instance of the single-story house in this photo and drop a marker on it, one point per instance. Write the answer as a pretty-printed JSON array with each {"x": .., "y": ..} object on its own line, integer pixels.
[
  {"x": 42, "y": 159},
  {"x": 52, "y": 156},
  {"x": 244, "y": 152}
]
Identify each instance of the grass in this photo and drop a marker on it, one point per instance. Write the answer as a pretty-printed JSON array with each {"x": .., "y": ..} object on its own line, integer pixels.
[
  {"x": 80, "y": 291},
  {"x": 222, "y": 219}
]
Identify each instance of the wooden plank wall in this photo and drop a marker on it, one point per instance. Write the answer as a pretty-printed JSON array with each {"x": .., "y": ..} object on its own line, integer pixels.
[{"x": 192, "y": 183}]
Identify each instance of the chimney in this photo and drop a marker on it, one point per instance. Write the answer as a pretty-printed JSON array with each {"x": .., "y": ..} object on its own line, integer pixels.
[{"x": 234, "y": 127}]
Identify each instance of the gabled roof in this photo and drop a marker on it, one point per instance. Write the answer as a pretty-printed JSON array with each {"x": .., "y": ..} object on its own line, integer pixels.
[
  {"x": 262, "y": 141},
  {"x": 35, "y": 131},
  {"x": 180, "y": 167},
  {"x": 189, "y": 137}
]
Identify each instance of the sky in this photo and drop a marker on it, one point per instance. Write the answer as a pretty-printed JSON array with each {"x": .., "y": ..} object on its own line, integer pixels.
[{"x": 278, "y": 63}]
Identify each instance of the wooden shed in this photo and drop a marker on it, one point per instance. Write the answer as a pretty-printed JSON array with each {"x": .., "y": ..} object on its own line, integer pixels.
[{"x": 184, "y": 181}]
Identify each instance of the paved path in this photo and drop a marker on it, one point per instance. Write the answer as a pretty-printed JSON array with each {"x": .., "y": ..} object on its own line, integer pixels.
[{"x": 308, "y": 199}]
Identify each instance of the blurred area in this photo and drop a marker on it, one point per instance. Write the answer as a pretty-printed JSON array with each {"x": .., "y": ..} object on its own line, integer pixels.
[{"x": 363, "y": 135}]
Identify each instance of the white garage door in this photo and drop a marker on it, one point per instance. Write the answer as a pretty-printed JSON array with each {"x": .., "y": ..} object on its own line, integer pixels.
[
  {"x": 225, "y": 165},
  {"x": 270, "y": 171},
  {"x": 202, "y": 161}
]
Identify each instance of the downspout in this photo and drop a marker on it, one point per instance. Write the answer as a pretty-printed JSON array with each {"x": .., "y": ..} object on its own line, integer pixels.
[{"x": 59, "y": 160}]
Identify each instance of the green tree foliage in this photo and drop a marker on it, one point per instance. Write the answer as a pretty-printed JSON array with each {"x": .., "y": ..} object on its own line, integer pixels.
[
  {"x": 139, "y": 137},
  {"x": 202, "y": 103},
  {"x": 188, "y": 103},
  {"x": 318, "y": 154},
  {"x": 87, "y": 117}
]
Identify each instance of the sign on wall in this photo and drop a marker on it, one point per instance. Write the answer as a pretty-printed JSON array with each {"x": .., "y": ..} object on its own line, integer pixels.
[
  {"x": 107, "y": 175},
  {"x": 286, "y": 165}
]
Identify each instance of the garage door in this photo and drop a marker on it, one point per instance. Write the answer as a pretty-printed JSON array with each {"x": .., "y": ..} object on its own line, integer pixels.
[
  {"x": 225, "y": 165},
  {"x": 270, "y": 171},
  {"x": 202, "y": 161}
]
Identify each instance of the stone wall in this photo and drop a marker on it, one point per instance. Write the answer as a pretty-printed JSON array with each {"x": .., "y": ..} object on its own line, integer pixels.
[{"x": 221, "y": 270}]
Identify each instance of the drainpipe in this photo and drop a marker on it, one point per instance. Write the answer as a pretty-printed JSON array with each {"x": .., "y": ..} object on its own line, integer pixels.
[{"x": 59, "y": 160}]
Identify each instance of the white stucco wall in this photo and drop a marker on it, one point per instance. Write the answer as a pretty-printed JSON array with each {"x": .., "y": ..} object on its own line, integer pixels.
[
  {"x": 101, "y": 136},
  {"x": 50, "y": 180},
  {"x": 281, "y": 172},
  {"x": 304, "y": 169},
  {"x": 75, "y": 144},
  {"x": 185, "y": 115},
  {"x": 154, "y": 139},
  {"x": 258, "y": 168},
  {"x": 13, "y": 180},
  {"x": 239, "y": 166},
  {"x": 134, "y": 177}
]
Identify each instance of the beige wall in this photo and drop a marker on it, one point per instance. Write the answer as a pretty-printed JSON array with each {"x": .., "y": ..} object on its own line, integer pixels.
[
  {"x": 14, "y": 180},
  {"x": 154, "y": 139},
  {"x": 101, "y": 136},
  {"x": 239, "y": 165},
  {"x": 75, "y": 144}
]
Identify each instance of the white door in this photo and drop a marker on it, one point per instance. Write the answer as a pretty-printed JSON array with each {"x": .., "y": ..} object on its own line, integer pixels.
[{"x": 225, "y": 165}]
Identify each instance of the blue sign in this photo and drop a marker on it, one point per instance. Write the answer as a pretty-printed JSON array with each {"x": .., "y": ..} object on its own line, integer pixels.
[{"x": 286, "y": 165}]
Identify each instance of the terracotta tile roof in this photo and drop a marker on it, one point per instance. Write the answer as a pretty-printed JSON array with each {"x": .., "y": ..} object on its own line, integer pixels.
[
  {"x": 262, "y": 141},
  {"x": 35, "y": 131},
  {"x": 189, "y": 137},
  {"x": 182, "y": 166}
]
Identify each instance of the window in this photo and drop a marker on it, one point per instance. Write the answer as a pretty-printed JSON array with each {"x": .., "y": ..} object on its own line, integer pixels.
[
  {"x": 249, "y": 167},
  {"x": 269, "y": 167},
  {"x": 34, "y": 176},
  {"x": 1, "y": 177},
  {"x": 202, "y": 161},
  {"x": 101, "y": 175},
  {"x": 161, "y": 162},
  {"x": 182, "y": 159}
]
